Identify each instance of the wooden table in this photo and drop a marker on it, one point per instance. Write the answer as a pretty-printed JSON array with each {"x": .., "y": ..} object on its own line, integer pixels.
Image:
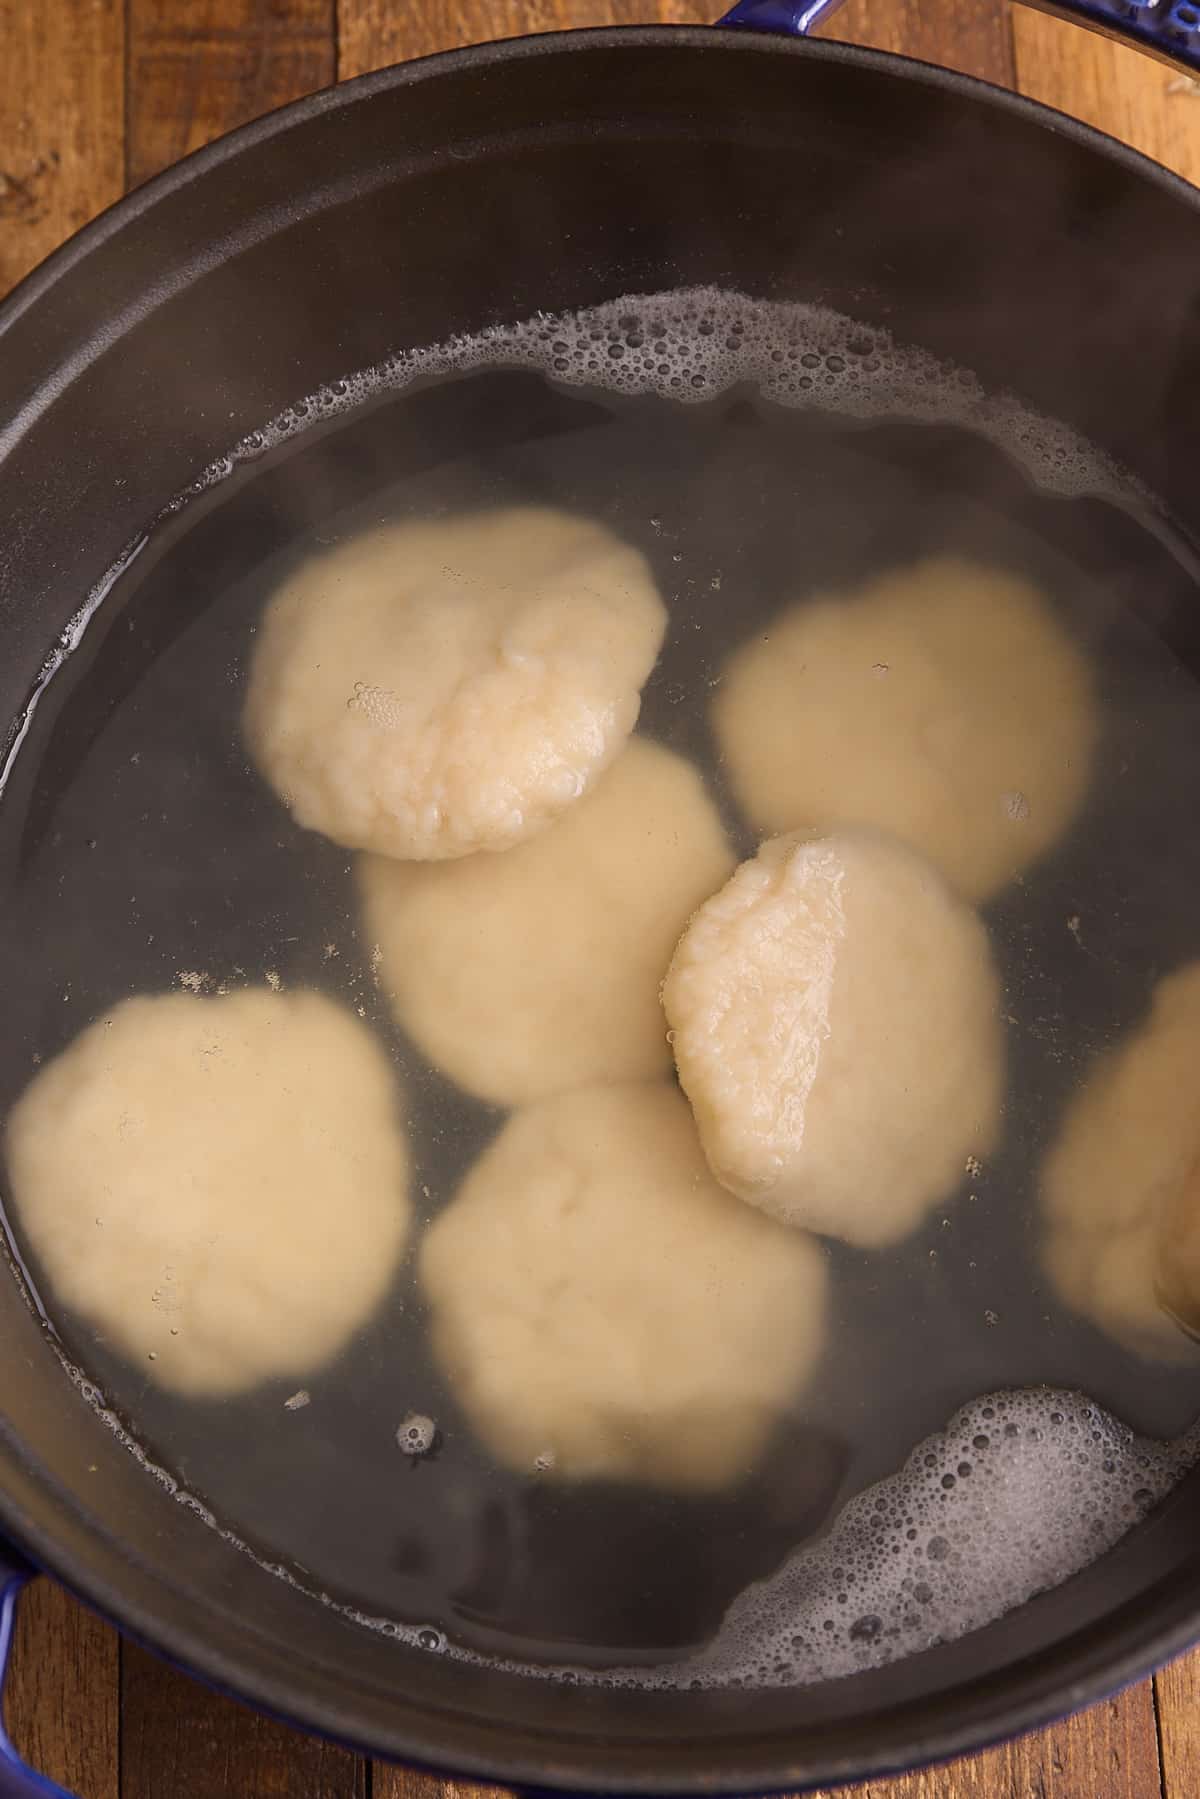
[{"x": 96, "y": 95}]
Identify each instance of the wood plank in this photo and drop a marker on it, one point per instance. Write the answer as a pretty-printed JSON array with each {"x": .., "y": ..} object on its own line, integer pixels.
[
  {"x": 972, "y": 36},
  {"x": 406, "y": 1783},
  {"x": 61, "y": 1700},
  {"x": 62, "y": 85},
  {"x": 374, "y": 33},
  {"x": 1112, "y": 86},
  {"x": 199, "y": 69},
  {"x": 177, "y": 1738},
  {"x": 1177, "y": 1692}
]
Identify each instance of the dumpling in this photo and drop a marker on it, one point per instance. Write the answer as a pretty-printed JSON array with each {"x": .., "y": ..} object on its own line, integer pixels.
[
  {"x": 835, "y": 1017},
  {"x": 218, "y": 1186},
  {"x": 1177, "y": 1261},
  {"x": 601, "y": 1308},
  {"x": 1119, "y": 1190},
  {"x": 451, "y": 685},
  {"x": 523, "y": 974},
  {"x": 943, "y": 703}
]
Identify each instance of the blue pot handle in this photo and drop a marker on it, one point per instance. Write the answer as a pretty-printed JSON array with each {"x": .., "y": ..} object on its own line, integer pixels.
[
  {"x": 16, "y": 1780},
  {"x": 1169, "y": 29}
]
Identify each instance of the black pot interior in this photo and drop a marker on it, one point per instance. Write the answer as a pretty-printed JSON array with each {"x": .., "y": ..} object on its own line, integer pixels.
[{"x": 476, "y": 190}]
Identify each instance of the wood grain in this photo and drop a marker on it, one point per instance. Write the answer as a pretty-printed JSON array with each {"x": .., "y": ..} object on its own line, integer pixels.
[
  {"x": 198, "y": 69},
  {"x": 966, "y": 35},
  {"x": 1177, "y": 1692},
  {"x": 179, "y": 1741},
  {"x": 374, "y": 33},
  {"x": 406, "y": 1783},
  {"x": 1110, "y": 85},
  {"x": 62, "y": 89},
  {"x": 65, "y": 1669}
]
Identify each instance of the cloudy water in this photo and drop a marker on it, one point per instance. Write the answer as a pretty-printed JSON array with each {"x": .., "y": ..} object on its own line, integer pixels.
[{"x": 141, "y": 852}]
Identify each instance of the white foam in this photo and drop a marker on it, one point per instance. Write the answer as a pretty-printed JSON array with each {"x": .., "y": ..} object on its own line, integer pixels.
[
  {"x": 695, "y": 343},
  {"x": 417, "y": 1434},
  {"x": 1020, "y": 1491}
]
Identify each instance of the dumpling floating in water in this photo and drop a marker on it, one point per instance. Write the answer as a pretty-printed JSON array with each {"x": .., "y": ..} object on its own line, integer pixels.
[
  {"x": 834, "y": 1012},
  {"x": 522, "y": 974},
  {"x": 602, "y": 1308},
  {"x": 451, "y": 685},
  {"x": 1120, "y": 1188},
  {"x": 1177, "y": 1259},
  {"x": 218, "y": 1186},
  {"x": 943, "y": 703}
]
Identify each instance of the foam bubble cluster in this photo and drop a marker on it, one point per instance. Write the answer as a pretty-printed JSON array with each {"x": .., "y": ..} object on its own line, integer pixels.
[
  {"x": 417, "y": 1434},
  {"x": 1020, "y": 1491},
  {"x": 695, "y": 343}
]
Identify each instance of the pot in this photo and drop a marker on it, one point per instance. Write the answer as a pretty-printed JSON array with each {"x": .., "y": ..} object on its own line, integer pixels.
[{"x": 468, "y": 190}]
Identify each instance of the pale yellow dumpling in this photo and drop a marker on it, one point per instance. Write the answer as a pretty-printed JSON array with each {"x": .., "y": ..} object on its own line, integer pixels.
[
  {"x": 522, "y": 974},
  {"x": 602, "y": 1308},
  {"x": 835, "y": 1016},
  {"x": 1120, "y": 1199},
  {"x": 943, "y": 703},
  {"x": 451, "y": 685},
  {"x": 218, "y": 1186}
]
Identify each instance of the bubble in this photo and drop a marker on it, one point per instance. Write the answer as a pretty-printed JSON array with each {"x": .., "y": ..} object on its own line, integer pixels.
[
  {"x": 417, "y": 1434},
  {"x": 946, "y": 1545},
  {"x": 866, "y": 1629},
  {"x": 703, "y": 341}
]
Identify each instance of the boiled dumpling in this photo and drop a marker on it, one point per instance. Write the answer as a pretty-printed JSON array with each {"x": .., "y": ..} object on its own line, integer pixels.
[
  {"x": 218, "y": 1186},
  {"x": 600, "y": 1307},
  {"x": 522, "y": 974},
  {"x": 1177, "y": 1258},
  {"x": 1119, "y": 1190},
  {"x": 943, "y": 703},
  {"x": 451, "y": 685},
  {"x": 834, "y": 1011}
]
